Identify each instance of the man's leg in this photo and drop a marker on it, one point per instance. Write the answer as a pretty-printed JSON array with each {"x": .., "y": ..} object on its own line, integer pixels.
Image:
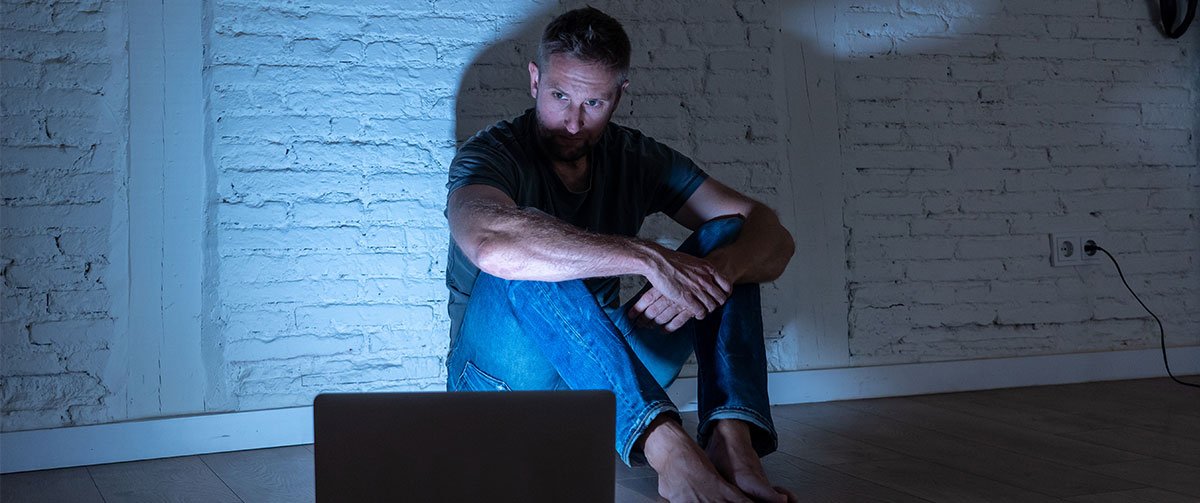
[
  {"x": 729, "y": 346},
  {"x": 735, "y": 422},
  {"x": 543, "y": 335}
]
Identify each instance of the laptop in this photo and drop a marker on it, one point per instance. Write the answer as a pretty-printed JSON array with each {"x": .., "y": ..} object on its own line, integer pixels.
[{"x": 518, "y": 446}]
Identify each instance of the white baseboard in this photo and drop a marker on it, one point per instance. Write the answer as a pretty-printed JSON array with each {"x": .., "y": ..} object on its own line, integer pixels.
[{"x": 181, "y": 436}]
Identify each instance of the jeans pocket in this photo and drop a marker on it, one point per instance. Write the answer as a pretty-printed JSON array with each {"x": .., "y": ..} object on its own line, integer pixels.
[{"x": 474, "y": 379}]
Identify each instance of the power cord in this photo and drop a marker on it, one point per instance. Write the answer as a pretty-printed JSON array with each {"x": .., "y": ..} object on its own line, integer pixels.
[{"x": 1090, "y": 248}]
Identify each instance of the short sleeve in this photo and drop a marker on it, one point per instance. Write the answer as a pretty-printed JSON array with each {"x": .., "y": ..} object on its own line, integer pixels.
[
  {"x": 678, "y": 177},
  {"x": 477, "y": 164}
]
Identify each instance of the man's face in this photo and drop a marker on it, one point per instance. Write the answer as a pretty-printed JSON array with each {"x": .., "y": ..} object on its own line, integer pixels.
[{"x": 574, "y": 101}]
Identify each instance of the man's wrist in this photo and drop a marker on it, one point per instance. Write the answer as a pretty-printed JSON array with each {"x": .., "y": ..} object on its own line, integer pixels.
[{"x": 647, "y": 257}]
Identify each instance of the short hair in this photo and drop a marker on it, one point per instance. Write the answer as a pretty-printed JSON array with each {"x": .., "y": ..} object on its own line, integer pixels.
[{"x": 588, "y": 35}]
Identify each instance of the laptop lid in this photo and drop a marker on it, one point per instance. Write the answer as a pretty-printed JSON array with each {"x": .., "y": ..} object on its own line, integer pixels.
[{"x": 524, "y": 446}]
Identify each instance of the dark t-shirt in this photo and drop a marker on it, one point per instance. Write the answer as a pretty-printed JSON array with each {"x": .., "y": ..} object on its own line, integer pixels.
[{"x": 632, "y": 176}]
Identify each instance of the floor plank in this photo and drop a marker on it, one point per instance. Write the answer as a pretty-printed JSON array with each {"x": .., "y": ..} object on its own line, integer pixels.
[
  {"x": 813, "y": 482},
  {"x": 966, "y": 455},
  {"x": 175, "y": 480},
  {"x": 1167, "y": 475},
  {"x": 1095, "y": 403},
  {"x": 994, "y": 433},
  {"x": 939, "y": 483},
  {"x": 1160, "y": 393},
  {"x": 50, "y": 486},
  {"x": 280, "y": 475},
  {"x": 645, "y": 487},
  {"x": 1147, "y": 495},
  {"x": 1018, "y": 415},
  {"x": 1149, "y": 443},
  {"x": 627, "y": 495},
  {"x": 826, "y": 448}
]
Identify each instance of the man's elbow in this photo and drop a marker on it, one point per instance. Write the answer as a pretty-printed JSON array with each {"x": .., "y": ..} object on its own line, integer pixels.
[
  {"x": 490, "y": 257},
  {"x": 784, "y": 251}
]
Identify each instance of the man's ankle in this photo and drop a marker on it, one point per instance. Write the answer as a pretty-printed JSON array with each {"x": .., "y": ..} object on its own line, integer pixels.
[
  {"x": 731, "y": 429},
  {"x": 663, "y": 439}
]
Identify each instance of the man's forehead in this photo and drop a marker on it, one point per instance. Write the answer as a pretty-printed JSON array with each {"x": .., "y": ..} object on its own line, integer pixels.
[{"x": 567, "y": 69}]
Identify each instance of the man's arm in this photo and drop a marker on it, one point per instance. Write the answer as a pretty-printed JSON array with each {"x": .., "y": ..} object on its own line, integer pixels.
[
  {"x": 760, "y": 253},
  {"x": 516, "y": 243},
  {"x": 763, "y": 248}
]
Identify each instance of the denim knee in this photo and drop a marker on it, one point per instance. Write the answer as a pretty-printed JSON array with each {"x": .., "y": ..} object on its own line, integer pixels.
[{"x": 713, "y": 234}]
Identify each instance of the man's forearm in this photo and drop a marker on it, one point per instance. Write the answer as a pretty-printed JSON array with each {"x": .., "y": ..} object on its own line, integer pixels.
[
  {"x": 760, "y": 253},
  {"x": 527, "y": 244}
]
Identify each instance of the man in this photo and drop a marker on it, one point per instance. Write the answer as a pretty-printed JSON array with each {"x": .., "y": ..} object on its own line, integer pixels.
[{"x": 544, "y": 212}]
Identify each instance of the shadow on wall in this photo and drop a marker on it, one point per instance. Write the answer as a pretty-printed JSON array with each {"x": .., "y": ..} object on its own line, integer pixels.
[
  {"x": 700, "y": 81},
  {"x": 940, "y": 109}
]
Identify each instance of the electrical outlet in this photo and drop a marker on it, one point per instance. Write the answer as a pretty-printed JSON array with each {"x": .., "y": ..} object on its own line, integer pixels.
[
  {"x": 1067, "y": 249},
  {"x": 1096, "y": 256}
]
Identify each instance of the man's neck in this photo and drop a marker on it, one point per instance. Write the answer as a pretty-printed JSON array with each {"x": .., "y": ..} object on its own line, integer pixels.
[{"x": 574, "y": 175}]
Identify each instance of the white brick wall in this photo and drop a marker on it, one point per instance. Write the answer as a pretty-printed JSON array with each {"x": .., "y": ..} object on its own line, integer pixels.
[
  {"x": 333, "y": 130},
  {"x": 969, "y": 136},
  {"x": 64, "y": 109},
  {"x": 968, "y": 131}
]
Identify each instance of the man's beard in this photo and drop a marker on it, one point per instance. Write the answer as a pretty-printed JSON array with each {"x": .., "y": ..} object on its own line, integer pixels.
[{"x": 562, "y": 149}]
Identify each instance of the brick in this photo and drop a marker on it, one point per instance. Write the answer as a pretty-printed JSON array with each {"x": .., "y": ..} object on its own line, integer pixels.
[
  {"x": 339, "y": 316},
  {"x": 1063, "y": 49},
  {"x": 968, "y": 46},
  {"x": 1120, "y": 51},
  {"x": 1035, "y": 7},
  {"x": 292, "y": 347},
  {"x": 1012, "y": 203},
  {"x": 88, "y": 333}
]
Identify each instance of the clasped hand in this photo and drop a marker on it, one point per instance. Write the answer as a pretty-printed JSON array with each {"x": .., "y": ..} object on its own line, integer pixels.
[{"x": 682, "y": 288}]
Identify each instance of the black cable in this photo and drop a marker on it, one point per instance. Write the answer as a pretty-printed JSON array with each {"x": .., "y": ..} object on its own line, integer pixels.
[{"x": 1090, "y": 248}]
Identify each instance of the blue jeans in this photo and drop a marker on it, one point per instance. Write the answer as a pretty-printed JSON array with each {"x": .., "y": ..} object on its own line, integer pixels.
[{"x": 536, "y": 335}]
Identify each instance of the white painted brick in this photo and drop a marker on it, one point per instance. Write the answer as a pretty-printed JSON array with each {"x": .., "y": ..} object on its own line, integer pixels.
[
  {"x": 293, "y": 346},
  {"x": 951, "y": 270},
  {"x": 939, "y": 316},
  {"x": 72, "y": 302},
  {"x": 341, "y": 316},
  {"x": 1166, "y": 155},
  {"x": 88, "y": 333},
  {"x": 1035, "y": 7},
  {"x": 1092, "y": 156},
  {"x": 1026, "y": 48},
  {"x": 1044, "y": 312},
  {"x": 973, "y": 46},
  {"x": 959, "y": 227},
  {"x": 897, "y": 159},
  {"x": 41, "y": 392},
  {"x": 985, "y": 24},
  {"x": 1136, "y": 94},
  {"x": 300, "y": 238},
  {"x": 943, "y": 8},
  {"x": 1110, "y": 29},
  {"x": 282, "y": 291},
  {"x": 266, "y": 215},
  {"x": 1120, "y": 51},
  {"x": 1008, "y": 246},
  {"x": 1014, "y": 202}
]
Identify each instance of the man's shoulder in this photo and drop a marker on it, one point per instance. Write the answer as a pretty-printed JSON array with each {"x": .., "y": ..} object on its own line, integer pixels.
[
  {"x": 504, "y": 136},
  {"x": 632, "y": 141}
]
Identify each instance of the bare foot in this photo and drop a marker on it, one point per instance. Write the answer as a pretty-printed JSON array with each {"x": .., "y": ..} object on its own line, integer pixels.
[
  {"x": 732, "y": 453},
  {"x": 684, "y": 473}
]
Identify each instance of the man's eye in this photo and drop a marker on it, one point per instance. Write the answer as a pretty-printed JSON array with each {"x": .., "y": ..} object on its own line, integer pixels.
[
  {"x": 593, "y": 103},
  {"x": 558, "y": 95}
]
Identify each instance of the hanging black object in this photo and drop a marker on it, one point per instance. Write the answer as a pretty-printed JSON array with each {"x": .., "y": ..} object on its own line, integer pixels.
[{"x": 1168, "y": 9}]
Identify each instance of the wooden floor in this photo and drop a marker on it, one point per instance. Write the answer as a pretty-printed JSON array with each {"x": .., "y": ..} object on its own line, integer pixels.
[{"x": 1124, "y": 441}]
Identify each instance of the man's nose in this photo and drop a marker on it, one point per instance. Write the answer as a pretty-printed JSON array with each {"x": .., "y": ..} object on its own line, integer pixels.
[{"x": 574, "y": 121}]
